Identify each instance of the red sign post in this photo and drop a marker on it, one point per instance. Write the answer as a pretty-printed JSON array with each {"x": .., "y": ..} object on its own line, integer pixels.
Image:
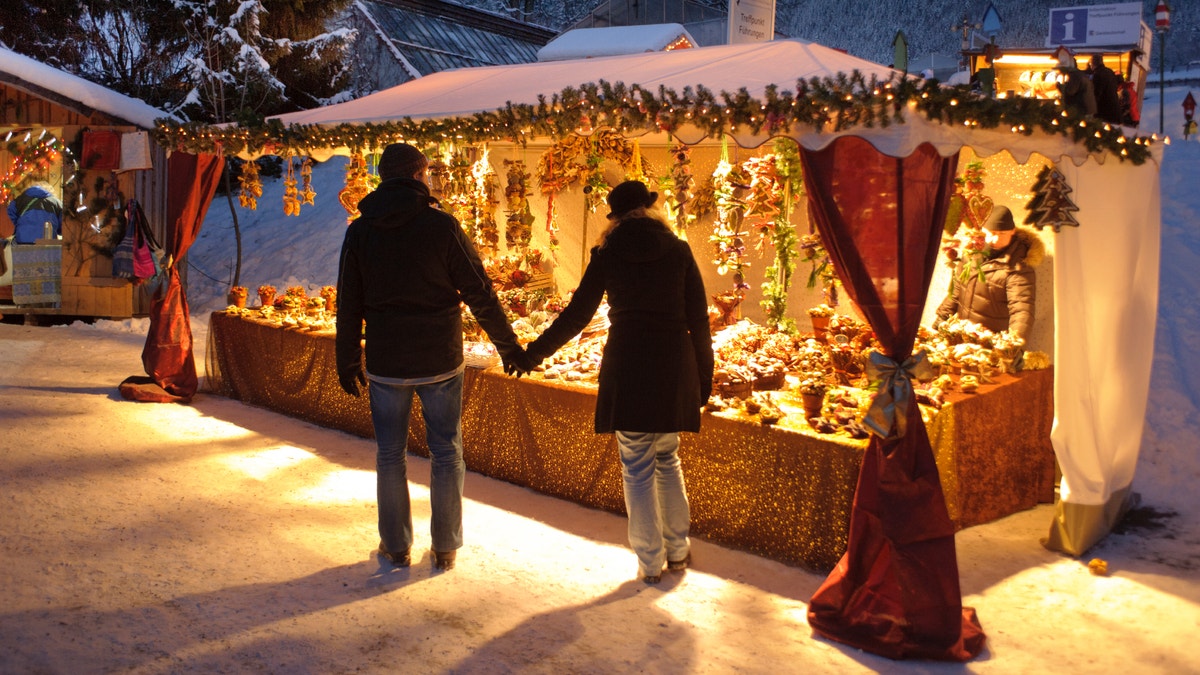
[{"x": 1162, "y": 24}]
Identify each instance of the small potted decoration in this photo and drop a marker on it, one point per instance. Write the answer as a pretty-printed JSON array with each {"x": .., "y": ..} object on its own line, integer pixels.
[
  {"x": 820, "y": 316},
  {"x": 315, "y": 307},
  {"x": 266, "y": 295},
  {"x": 329, "y": 293},
  {"x": 812, "y": 394},
  {"x": 237, "y": 296}
]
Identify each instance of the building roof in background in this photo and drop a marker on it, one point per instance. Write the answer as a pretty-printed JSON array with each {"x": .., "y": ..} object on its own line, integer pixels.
[
  {"x": 707, "y": 25},
  {"x": 588, "y": 42},
  {"x": 73, "y": 92},
  {"x": 432, "y": 36}
]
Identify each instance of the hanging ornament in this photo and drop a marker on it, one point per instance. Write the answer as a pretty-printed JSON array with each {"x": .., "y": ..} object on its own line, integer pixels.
[
  {"x": 727, "y": 237},
  {"x": 308, "y": 193},
  {"x": 357, "y": 186},
  {"x": 518, "y": 231},
  {"x": 251, "y": 187},
  {"x": 676, "y": 190},
  {"x": 291, "y": 193},
  {"x": 1051, "y": 204}
]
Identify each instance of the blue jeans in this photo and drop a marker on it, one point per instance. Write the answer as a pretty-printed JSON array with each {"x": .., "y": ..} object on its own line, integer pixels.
[
  {"x": 441, "y": 406},
  {"x": 655, "y": 499}
]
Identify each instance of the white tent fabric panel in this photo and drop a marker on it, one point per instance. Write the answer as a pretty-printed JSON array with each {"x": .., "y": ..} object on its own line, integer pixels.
[{"x": 1106, "y": 296}]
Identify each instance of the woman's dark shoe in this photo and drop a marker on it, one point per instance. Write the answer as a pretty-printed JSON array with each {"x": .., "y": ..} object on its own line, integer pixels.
[
  {"x": 444, "y": 560},
  {"x": 680, "y": 565},
  {"x": 396, "y": 559},
  {"x": 652, "y": 578}
]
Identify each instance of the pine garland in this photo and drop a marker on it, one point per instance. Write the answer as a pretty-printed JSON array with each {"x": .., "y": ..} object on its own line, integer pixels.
[{"x": 828, "y": 104}]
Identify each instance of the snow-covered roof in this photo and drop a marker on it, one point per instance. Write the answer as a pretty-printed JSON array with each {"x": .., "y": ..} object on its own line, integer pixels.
[
  {"x": 38, "y": 78},
  {"x": 466, "y": 91},
  {"x": 432, "y": 36},
  {"x": 616, "y": 40}
]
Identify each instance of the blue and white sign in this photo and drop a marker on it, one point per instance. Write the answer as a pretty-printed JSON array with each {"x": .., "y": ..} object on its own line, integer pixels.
[{"x": 1095, "y": 25}]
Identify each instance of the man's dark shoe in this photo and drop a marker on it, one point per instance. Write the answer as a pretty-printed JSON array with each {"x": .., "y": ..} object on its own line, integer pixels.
[
  {"x": 444, "y": 560},
  {"x": 396, "y": 559}
]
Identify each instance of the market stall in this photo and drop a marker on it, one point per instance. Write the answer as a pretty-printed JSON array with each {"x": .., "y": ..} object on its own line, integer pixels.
[{"x": 879, "y": 157}]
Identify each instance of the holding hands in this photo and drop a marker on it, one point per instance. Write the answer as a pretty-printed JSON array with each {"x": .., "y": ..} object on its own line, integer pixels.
[{"x": 518, "y": 362}]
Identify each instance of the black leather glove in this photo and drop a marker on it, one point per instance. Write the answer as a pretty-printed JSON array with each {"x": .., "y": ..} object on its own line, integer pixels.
[
  {"x": 518, "y": 363},
  {"x": 353, "y": 382}
]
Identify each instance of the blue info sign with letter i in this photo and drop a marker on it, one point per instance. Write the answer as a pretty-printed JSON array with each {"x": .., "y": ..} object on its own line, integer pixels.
[{"x": 1068, "y": 26}]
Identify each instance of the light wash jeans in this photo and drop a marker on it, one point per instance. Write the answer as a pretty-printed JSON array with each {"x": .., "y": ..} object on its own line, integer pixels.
[
  {"x": 441, "y": 406},
  {"x": 655, "y": 499}
]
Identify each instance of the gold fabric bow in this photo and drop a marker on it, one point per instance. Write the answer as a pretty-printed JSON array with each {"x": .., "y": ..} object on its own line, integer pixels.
[{"x": 888, "y": 414}]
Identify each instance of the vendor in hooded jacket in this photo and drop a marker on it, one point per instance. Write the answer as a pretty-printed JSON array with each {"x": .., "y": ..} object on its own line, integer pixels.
[
  {"x": 1000, "y": 297},
  {"x": 31, "y": 211}
]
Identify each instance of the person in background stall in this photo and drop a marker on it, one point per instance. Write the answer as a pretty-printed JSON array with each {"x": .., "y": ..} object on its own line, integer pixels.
[
  {"x": 657, "y": 367},
  {"x": 1106, "y": 88},
  {"x": 31, "y": 211},
  {"x": 1075, "y": 86},
  {"x": 1131, "y": 105},
  {"x": 985, "y": 77},
  {"x": 406, "y": 268},
  {"x": 1000, "y": 294}
]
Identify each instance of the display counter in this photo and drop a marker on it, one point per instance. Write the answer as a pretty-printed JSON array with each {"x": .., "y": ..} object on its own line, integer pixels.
[{"x": 781, "y": 492}]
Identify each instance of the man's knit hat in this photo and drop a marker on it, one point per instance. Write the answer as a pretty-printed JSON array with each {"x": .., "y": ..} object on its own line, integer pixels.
[
  {"x": 1000, "y": 220},
  {"x": 401, "y": 160}
]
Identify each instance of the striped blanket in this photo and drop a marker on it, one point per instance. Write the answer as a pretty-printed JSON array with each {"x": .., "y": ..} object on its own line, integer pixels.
[{"x": 37, "y": 275}]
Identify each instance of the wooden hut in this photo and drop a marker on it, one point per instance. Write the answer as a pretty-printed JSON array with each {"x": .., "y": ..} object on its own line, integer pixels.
[{"x": 90, "y": 147}]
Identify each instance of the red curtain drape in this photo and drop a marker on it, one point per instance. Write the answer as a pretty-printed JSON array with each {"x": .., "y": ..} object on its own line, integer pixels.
[
  {"x": 895, "y": 592},
  {"x": 167, "y": 356}
]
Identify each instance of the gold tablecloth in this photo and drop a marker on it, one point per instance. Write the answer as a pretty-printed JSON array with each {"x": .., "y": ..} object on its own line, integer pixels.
[{"x": 780, "y": 493}]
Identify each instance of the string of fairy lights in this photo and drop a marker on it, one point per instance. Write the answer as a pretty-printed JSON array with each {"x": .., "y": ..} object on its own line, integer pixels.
[
  {"x": 828, "y": 104},
  {"x": 31, "y": 155}
]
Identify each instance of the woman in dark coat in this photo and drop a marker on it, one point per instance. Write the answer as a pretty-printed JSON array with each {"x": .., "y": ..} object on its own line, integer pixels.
[{"x": 657, "y": 368}]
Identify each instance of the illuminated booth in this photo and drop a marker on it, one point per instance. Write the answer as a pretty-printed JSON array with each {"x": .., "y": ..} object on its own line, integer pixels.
[{"x": 1115, "y": 32}]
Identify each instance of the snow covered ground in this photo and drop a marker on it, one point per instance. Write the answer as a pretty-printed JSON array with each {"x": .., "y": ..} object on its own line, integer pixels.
[{"x": 218, "y": 537}]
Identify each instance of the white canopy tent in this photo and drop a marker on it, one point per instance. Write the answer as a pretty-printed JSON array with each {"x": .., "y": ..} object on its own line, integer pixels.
[{"x": 1105, "y": 273}]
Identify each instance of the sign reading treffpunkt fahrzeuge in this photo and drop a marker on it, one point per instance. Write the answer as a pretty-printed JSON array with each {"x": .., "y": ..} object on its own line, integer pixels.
[{"x": 751, "y": 21}]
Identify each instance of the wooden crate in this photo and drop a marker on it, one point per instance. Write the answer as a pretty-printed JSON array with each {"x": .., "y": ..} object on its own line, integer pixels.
[{"x": 100, "y": 297}]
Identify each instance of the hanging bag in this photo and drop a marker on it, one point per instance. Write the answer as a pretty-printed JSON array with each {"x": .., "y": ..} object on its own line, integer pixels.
[
  {"x": 123, "y": 255},
  {"x": 143, "y": 256},
  {"x": 145, "y": 249}
]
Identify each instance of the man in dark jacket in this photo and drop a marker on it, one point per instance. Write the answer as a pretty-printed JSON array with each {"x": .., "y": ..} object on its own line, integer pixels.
[
  {"x": 1000, "y": 294},
  {"x": 405, "y": 270},
  {"x": 1106, "y": 87}
]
